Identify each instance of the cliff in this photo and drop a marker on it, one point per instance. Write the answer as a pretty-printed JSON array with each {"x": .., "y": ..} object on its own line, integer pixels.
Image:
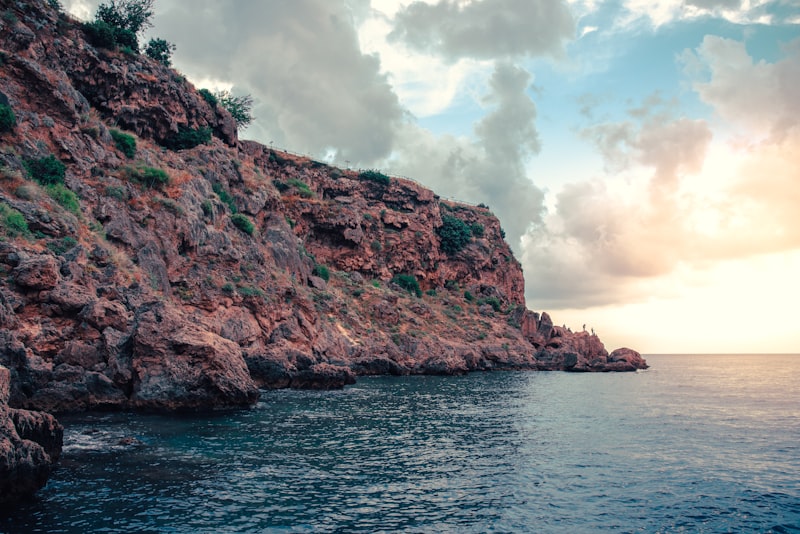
[
  {"x": 186, "y": 278},
  {"x": 152, "y": 260}
]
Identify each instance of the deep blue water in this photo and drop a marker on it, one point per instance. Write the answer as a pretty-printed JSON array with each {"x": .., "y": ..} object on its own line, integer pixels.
[{"x": 694, "y": 444}]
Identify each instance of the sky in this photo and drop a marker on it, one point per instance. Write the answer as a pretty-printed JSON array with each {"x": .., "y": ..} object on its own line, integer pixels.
[{"x": 643, "y": 157}]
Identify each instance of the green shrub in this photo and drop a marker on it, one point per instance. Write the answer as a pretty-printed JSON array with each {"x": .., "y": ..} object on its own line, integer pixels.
[
  {"x": 243, "y": 223},
  {"x": 227, "y": 287},
  {"x": 477, "y": 229},
  {"x": 187, "y": 138},
  {"x": 100, "y": 34},
  {"x": 116, "y": 191},
  {"x": 282, "y": 187},
  {"x": 13, "y": 221},
  {"x": 431, "y": 292},
  {"x": 7, "y": 118},
  {"x": 47, "y": 170},
  {"x": 250, "y": 291},
  {"x": 468, "y": 296},
  {"x": 494, "y": 302},
  {"x": 225, "y": 197},
  {"x": 375, "y": 176},
  {"x": 160, "y": 50},
  {"x": 376, "y": 246},
  {"x": 454, "y": 234},
  {"x": 66, "y": 198},
  {"x": 207, "y": 207},
  {"x": 60, "y": 246},
  {"x": 125, "y": 143},
  {"x": 322, "y": 271},
  {"x": 209, "y": 97},
  {"x": 408, "y": 282},
  {"x": 302, "y": 187},
  {"x": 148, "y": 176}
]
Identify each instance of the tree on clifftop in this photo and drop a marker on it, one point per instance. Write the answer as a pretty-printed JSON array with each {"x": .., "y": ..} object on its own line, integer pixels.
[
  {"x": 119, "y": 22},
  {"x": 131, "y": 15}
]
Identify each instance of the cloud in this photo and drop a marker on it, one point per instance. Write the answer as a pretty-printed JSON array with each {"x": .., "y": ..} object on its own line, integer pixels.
[
  {"x": 489, "y": 168},
  {"x": 662, "y": 12},
  {"x": 485, "y": 29},
  {"x": 677, "y": 197},
  {"x": 762, "y": 97},
  {"x": 315, "y": 91}
]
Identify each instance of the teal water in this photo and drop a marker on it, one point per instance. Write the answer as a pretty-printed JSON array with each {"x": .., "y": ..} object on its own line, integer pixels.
[{"x": 694, "y": 444}]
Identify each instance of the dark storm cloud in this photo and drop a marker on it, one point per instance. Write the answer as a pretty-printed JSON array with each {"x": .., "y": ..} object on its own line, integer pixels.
[{"x": 485, "y": 29}]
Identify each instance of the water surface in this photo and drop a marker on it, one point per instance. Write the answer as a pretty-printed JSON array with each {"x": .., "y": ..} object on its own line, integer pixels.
[{"x": 694, "y": 444}]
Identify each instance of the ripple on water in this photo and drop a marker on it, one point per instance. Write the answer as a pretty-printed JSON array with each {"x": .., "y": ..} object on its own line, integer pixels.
[{"x": 661, "y": 451}]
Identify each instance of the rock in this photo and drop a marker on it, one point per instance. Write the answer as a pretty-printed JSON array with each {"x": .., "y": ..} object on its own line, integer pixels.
[
  {"x": 323, "y": 376},
  {"x": 30, "y": 443},
  {"x": 40, "y": 272},
  {"x": 178, "y": 365}
]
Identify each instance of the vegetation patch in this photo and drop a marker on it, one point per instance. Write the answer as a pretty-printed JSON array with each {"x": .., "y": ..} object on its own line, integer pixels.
[
  {"x": 7, "y": 118},
  {"x": 187, "y": 138},
  {"x": 322, "y": 271},
  {"x": 63, "y": 245},
  {"x": 238, "y": 106},
  {"x": 494, "y": 302},
  {"x": 477, "y": 229},
  {"x": 454, "y": 234},
  {"x": 125, "y": 143},
  {"x": 375, "y": 176},
  {"x": 408, "y": 282},
  {"x": 47, "y": 170},
  {"x": 250, "y": 291},
  {"x": 149, "y": 176},
  {"x": 225, "y": 197},
  {"x": 64, "y": 197},
  {"x": 243, "y": 223},
  {"x": 13, "y": 222},
  {"x": 160, "y": 50},
  {"x": 302, "y": 187},
  {"x": 209, "y": 97}
]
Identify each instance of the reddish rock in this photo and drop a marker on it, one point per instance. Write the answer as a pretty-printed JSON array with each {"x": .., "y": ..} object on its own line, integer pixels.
[
  {"x": 178, "y": 365},
  {"x": 39, "y": 272},
  {"x": 30, "y": 443},
  {"x": 163, "y": 304}
]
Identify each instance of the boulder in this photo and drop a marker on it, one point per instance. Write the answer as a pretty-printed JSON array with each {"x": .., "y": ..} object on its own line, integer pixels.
[{"x": 178, "y": 365}]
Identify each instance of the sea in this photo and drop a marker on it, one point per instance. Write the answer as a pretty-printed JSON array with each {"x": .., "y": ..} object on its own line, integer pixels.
[{"x": 696, "y": 443}]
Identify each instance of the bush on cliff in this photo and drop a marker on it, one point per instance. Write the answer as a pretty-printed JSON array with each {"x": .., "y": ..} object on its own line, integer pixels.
[
  {"x": 375, "y": 176},
  {"x": 124, "y": 142},
  {"x": 322, "y": 271},
  {"x": 13, "y": 222},
  {"x": 187, "y": 138},
  {"x": 160, "y": 50},
  {"x": 47, "y": 170},
  {"x": 209, "y": 97},
  {"x": 64, "y": 197},
  {"x": 7, "y": 118},
  {"x": 149, "y": 176},
  {"x": 243, "y": 223},
  {"x": 454, "y": 234},
  {"x": 408, "y": 282}
]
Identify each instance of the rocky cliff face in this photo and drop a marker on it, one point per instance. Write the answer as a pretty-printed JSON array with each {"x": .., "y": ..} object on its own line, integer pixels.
[{"x": 153, "y": 293}]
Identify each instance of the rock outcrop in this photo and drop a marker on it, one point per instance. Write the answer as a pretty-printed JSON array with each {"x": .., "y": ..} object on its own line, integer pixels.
[
  {"x": 154, "y": 295},
  {"x": 186, "y": 275},
  {"x": 30, "y": 443}
]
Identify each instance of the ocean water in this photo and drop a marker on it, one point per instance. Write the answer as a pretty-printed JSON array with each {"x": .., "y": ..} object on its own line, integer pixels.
[{"x": 694, "y": 444}]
